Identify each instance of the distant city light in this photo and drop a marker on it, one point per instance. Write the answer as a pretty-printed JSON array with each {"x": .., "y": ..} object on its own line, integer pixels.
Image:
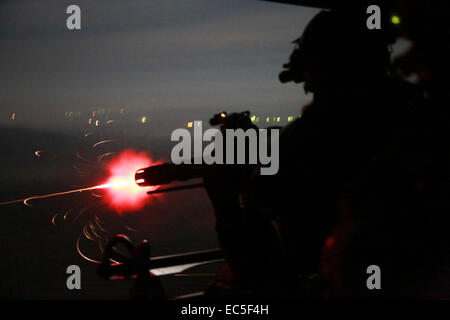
[{"x": 106, "y": 116}]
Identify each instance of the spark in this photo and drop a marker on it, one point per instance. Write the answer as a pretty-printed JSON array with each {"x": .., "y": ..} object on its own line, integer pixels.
[
  {"x": 53, "y": 219},
  {"x": 96, "y": 195},
  {"x": 122, "y": 193},
  {"x": 87, "y": 234},
  {"x": 82, "y": 211},
  {"x": 82, "y": 254},
  {"x": 79, "y": 156},
  {"x": 12, "y": 201},
  {"x": 99, "y": 225},
  {"x": 130, "y": 229},
  {"x": 67, "y": 213},
  {"x": 112, "y": 184},
  {"x": 100, "y": 158},
  {"x": 102, "y": 142},
  {"x": 92, "y": 227}
]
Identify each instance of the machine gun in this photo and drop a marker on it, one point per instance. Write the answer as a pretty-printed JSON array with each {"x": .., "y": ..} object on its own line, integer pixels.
[
  {"x": 146, "y": 270},
  {"x": 166, "y": 173},
  {"x": 138, "y": 264}
]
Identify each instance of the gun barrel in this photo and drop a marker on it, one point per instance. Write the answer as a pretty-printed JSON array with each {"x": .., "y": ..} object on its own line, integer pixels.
[{"x": 166, "y": 173}]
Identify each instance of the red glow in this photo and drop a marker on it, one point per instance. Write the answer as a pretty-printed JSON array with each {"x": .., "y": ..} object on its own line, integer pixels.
[
  {"x": 122, "y": 194},
  {"x": 329, "y": 242}
]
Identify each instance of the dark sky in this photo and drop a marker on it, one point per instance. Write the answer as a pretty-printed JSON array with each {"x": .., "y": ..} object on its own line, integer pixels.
[{"x": 159, "y": 57}]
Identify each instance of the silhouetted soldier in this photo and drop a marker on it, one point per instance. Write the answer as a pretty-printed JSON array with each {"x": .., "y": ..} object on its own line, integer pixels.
[
  {"x": 397, "y": 210},
  {"x": 351, "y": 119}
]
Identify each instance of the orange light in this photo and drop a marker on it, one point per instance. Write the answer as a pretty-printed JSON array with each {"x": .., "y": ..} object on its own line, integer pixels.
[{"x": 122, "y": 192}]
